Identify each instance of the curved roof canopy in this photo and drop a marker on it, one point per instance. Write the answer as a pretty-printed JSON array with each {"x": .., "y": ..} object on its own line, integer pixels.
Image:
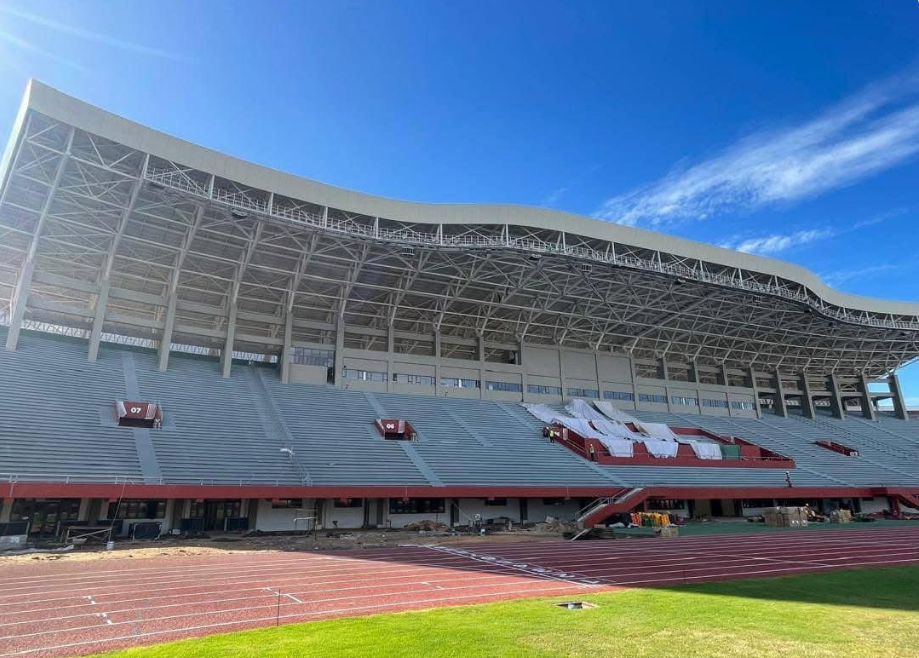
[{"x": 91, "y": 200}]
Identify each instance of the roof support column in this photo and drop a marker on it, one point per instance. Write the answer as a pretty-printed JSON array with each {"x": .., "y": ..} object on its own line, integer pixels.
[
  {"x": 836, "y": 405},
  {"x": 807, "y": 399},
  {"x": 781, "y": 409},
  {"x": 899, "y": 402},
  {"x": 723, "y": 377},
  {"x": 166, "y": 339},
  {"x": 437, "y": 363},
  {"x": 561, "y": 374},
  {"x": 339, "y": 351},
  {"x": 286, "y": 351},
  {"x": 24, "y": 285},
  {"x": 664, "y": 373},
  {"x": 95, "y": 336},
  {"x": 226, "y": 358},
  {"x": 867, "y": 402},
  {"x": 634, "y": 382},
  {"x": 390, "y": 351},
  {"x": 480, "y": 353},
  {"x": 751, "y": 375},
  {"x": 524, "y": 381}
]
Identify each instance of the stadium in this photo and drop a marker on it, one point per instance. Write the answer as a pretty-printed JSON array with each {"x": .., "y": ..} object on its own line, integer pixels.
[{"x": 198, "y": 344}]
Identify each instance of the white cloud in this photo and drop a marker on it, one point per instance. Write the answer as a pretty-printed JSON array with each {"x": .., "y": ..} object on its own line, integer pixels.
[
  {"x": 553, "y": 196},
  {"x": 868, "y": 133},
  {"x": 91, "y": 36},
  {"x": 773, "y": 244},
  {"x": 838, "y": 277}
]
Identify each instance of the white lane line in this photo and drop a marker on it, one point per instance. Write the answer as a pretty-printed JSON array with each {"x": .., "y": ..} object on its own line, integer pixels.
[{"x": 293, "y": 598}]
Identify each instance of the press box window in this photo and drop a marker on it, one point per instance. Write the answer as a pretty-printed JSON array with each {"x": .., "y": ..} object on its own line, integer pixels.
[
  {"x": 307, "y": 356},
  {"x": 419, "y": 380},
  {"x": 618, "y": 395},
  {"x": 652, "y": 398},
  {"x": 363, "y": 375},
  {"x": 455, "y": 382},
  {"x": 583, "y": 393},
  {"x": 715, "y": 404},
  {"x": 688, "y": 402}
]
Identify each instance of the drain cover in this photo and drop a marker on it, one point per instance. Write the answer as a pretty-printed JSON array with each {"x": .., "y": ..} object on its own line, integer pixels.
[{"x": 576, "y": 605}]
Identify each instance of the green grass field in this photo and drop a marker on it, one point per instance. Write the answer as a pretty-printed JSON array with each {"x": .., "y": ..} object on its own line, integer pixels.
[{"x": 866, "y": 613}]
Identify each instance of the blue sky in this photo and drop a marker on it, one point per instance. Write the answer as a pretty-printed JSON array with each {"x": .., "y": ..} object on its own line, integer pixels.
[{"x": 784, "y": 128}]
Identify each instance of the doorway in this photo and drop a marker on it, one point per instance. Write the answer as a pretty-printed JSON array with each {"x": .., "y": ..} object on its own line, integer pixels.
[{"x": 45, "y": 514}]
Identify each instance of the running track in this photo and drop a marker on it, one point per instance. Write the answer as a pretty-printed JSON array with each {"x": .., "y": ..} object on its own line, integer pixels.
[{"x": 73, "y": 608}]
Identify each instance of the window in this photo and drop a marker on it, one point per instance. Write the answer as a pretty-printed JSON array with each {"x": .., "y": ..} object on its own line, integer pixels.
[
  {"x": 307, "y": 356},
  {"x": 348, "y": 502},
  {"x": 221, "y": 509},
  {"x": 363, "y": 375},
  {"x": 420, "y": 380},
  {"x": 680, "y": 399},
  {"x": 553, "y": 502},
  {"x": 618, "y": 395},
  {"x": 715, "y": 404},
  {"x": 509, "y": 387},
  {"x": 539, "y": 389},
  {"x": 667, "y": 504},
  {"x": 652, "y": 398},
  {"x": 741, "y": 404},
  {"x": 287, "y": 503},
  {"x": 496, "y": 502},
  {"x": 584, "y": 393},
  {"x": 756, "y": 502},
  {"x": 416, "y": 506},
  {"x": 137, "y": 509},
  {"x": 454, "y": 382}
]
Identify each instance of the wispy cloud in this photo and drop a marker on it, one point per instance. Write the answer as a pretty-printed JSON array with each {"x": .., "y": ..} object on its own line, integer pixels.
[
  {"x": 865, "y": 134},
  {"x": 553, "y": 196},
  {"x": 32, "y": 49},
  {"x": 773, "y": 244},
  {"x": 88, "y": 35},
  {"x": 838, "y": 277}
]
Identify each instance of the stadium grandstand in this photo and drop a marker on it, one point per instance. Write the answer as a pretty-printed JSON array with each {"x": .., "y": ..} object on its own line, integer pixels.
[{"x": 207, "y": 344}]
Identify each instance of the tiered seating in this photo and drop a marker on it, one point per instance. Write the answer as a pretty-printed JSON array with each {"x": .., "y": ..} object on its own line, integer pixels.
[
  {"x": 334, "y": 437},
  {"x": 53, "y": 407},
  {"x": 452, "y": 433},
  {"x": 212, "y": 432}
]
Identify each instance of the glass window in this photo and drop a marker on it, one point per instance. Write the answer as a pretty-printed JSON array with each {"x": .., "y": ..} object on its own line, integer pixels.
[
  {"x": 312, "y": 357},
  {"x": 741, "y": 404},
  {"x": 137, "y": 509},
  {"x": 510, "y": 387},
  {"x": 716, "y": 404},
  {"x": 420, "y": 380},
  {"x": 652, "y": 398},
  {"x": 584, "y": 393},
  {"x": 363, "y": 375},
  {"x": 686, "y": 401},
  {"x": 618, "y": 395},
  {"x": 539, "y": 389},
  {"x": 454, "y": 382},
  {"x": 416, "y": 506},
  {"x": 287, "y": 503}
]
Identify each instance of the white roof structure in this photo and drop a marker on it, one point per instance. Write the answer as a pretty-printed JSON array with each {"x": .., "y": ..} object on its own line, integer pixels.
[{"x": 112, "y": 230}]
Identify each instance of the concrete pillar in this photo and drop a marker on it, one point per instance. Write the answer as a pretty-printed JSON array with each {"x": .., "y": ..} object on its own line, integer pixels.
[
  {"x": 24, "y": 285},
  {"x": 807, "y": 399},
  {"x": 634, "y": 382},
  {"x": 390, "y": 350},
  {"x": 524, "y": 382},
  {"x": 95, "y": 336},
  {"x": 480, "y": 355},
  {"x": 227, "y": 359},
  {"x": 899, "y": 402},
  {"x": 751, "y": 375},
  {"x": 836, "y": 404},
  {"x": 779, "y": 401},
  {"x": 867, "y": 403},
  {"x": 561, "y": 374},
  {"x": 723, "y": 377},
  {"x": 437, "y": 363},
  {"x": 20, "y": 299},
  {"x": 339, "y": 351},
  {"x": 286, "y": 350},
  {"x": 664, "y": 374},
  {"x": 597, "y": 370},
  {"x": 166, "y": 339}
]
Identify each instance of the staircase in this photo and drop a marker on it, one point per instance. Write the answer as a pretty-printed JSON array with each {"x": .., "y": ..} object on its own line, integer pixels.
[{"x": 601, "y": 508}]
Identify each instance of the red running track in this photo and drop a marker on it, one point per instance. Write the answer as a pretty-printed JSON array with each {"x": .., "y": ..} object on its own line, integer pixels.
[{"x": 73, "y": 608}]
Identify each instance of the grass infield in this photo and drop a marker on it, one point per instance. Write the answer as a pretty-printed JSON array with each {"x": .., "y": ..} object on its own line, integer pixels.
[{"x": 864, "y": 613}]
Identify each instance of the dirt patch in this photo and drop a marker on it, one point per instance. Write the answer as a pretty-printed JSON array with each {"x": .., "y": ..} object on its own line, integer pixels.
[{"x": 267, "y": 543}]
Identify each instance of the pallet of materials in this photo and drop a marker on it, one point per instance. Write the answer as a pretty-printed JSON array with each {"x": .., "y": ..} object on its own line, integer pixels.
[{"x": 782, "y": 517}]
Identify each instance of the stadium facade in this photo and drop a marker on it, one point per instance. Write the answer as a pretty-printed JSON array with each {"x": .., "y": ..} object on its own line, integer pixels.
[{"x": 275, "y": 319}]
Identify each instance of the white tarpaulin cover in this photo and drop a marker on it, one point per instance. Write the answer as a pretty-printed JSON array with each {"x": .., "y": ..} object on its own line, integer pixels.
[
  {"x": 617, "y": 447},
  {"x": 580, "y": 409},
  {"x": 616, "y": 430},
  {"x": 659, "y": 448},
  {"x": 543, "y": 412},
  {"x": 705, "y": 450},
  {"x": 659, "y": 431},
  {"x": 613, "y": 413}
]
